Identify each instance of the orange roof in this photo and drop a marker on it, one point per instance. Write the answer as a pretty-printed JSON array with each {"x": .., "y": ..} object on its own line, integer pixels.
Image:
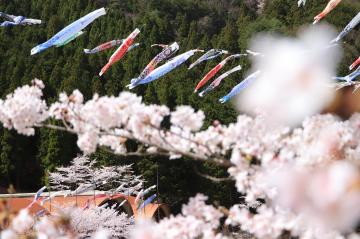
[{"x": 18, "y": 202}]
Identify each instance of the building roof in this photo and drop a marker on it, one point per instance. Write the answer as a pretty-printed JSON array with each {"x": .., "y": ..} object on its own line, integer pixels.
[{"x": 16, "y": 202}]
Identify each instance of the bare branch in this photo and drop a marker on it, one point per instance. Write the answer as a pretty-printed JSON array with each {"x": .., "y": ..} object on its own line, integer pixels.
[{"x": 214, "y": 179}]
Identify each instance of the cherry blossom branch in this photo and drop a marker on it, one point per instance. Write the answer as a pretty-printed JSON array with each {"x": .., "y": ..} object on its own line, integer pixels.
[
  {"x": 55, "y": 127},
  {"x": 182, "y": 137},
  {"x": 166, "y": 149}
]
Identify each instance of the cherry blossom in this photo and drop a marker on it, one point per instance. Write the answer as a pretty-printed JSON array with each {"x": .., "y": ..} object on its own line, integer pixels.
[
  {"x": 89, "y": 222},
  {"x": 24, "y": 108},
  {"x": 70, "y": 223},
  {"x": 23, "y": 222},
  {"x": 83, "y": 175},
  {"x": 185, "y": 118},
  {"x": 302, "y": 180},
  {"x": 295, "y": 75},
  {"x": 197, "y": 220}
]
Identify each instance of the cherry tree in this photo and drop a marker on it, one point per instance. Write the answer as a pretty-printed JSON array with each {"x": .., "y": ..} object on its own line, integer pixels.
[{"x": 83, "y": 175}]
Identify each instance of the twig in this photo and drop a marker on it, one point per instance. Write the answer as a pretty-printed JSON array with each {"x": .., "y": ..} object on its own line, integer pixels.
[{"x": 214, "y": 179}]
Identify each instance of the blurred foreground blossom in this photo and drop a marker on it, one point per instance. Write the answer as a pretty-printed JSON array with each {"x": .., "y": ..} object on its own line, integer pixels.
[
  {"x": 23, "y": 222},
  {"x": 70, "y": 223},
  {"x": 296, "y": 74},
  {"x": 325, "y": 196}
]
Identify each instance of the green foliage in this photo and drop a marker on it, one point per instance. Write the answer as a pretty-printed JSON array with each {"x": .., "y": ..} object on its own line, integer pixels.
[{"x": 204, "y": 24}]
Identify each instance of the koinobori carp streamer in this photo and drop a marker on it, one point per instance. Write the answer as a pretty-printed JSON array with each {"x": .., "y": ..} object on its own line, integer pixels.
[
  {"x": 69, "y": 31},
  {"x": 166, "y": 68},
  {"x": 121, "y": 51},
  {"x": 166, "y": 53}
]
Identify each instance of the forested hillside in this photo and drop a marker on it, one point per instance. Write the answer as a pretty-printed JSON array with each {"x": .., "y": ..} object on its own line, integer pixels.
[{"x": 203, "y": 24}]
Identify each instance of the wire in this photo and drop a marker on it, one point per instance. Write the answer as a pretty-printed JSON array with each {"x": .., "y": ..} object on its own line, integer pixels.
[{"x": 157, "y": 189}]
